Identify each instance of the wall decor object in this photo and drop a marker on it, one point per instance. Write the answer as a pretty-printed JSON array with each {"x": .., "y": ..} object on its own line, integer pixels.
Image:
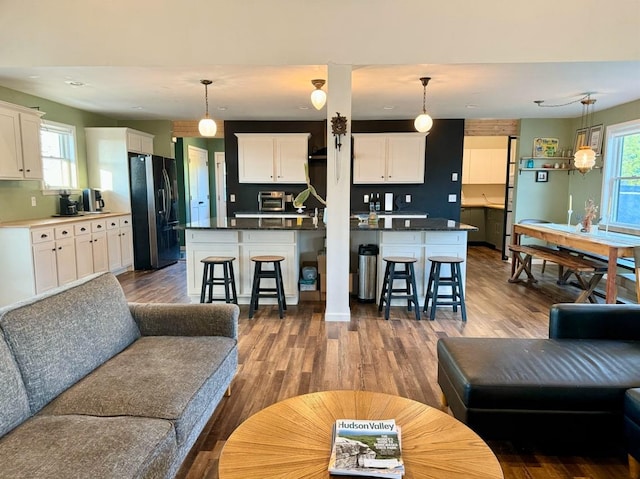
[
  {"x": 545, "y": 147},
  {"x": 595, "y": 138},
  {"x": 582, "y": 136},
  {"x": 542, "y": 176}
]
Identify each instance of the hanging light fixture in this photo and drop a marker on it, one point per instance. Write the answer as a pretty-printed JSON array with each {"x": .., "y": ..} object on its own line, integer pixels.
[
  {"x": 423, "y": 121},
  {"x": 585, "y": 158},
  {"x": 206, "y": 126},
  {"x": 318, "y": 96}
]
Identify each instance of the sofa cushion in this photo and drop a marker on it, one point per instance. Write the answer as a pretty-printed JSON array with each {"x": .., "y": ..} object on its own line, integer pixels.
[
  {"x": 14, "y": 403},
  {"x": 165, "y": 377},
  {"x": 539, "y": 374},
  {"x": 63, "y": 447},
  {"x": 60, "y": 337}
]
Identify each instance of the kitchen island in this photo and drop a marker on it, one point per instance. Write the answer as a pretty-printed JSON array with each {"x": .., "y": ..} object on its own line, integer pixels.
[{"x": 300, "y": 239}]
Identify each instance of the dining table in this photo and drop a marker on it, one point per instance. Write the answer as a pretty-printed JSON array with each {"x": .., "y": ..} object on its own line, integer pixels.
[{"x": 599, "y": 242}]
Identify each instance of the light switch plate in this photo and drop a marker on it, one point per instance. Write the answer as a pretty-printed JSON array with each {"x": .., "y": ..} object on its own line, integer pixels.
[
  {"x": 232, "y": 198},
  {"x": 452, "y": 198},
  {"x": 407, "y": 198},
  {"x": 33, "y": 201},
  {"x": 454, "y": 176}
]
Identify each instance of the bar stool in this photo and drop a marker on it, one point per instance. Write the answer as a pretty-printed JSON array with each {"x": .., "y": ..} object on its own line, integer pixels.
[
  {"x": 390, "y": 275},
  {"x": 227, "y": 279},
  {"x": 435, "y": 281},
  {"x": 258, "y": 292}
]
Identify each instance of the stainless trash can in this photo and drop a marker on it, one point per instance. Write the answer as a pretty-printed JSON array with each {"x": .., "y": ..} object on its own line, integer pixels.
[{"x": 367, "y": 259}]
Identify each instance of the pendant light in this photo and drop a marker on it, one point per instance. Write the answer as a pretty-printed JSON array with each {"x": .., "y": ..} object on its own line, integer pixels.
[
  {"x": 423, "y": 121},
  {"x": 585, "y": 158},
  {"x": 206, "y": 126},
  {"x": 318, "y": 96}
]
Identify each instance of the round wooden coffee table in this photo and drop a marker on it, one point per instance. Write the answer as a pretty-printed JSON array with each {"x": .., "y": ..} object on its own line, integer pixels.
[{"x": 292, "y": 438}]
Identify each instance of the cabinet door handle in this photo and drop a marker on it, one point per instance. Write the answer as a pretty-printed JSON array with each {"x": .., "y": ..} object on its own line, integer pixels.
[
  {"x": 113, "y": 224},
  {"x": 20, "y": 169},
  {"x": 28, "y": 171},
  {"x": 44, "y": 235},
  {"x": 98, "y": 227},
  {"x": 65, "y": 232},
  {"x": 59, "y": 247},
  {"x": 83, "y": 229},
  {"x": 54, "y": 250}
]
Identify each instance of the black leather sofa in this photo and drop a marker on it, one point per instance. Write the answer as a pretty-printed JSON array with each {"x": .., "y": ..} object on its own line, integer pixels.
[{"x": 569, "y": 386}]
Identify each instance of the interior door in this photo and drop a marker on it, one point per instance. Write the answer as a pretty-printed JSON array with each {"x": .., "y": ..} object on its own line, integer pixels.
[
  {"x": 221, "y": 185},
  {"x": 199, "y": 204}
]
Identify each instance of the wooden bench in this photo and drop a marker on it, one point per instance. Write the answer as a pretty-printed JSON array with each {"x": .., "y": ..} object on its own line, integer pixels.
[{"x": 574, "y": 264}]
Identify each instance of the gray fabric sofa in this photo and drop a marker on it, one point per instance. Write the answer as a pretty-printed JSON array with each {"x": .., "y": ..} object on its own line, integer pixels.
[{"x": 94, "y": 387}]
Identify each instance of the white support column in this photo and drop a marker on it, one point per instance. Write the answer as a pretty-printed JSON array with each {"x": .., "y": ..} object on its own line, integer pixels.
[{"x": 338, "y": 196}]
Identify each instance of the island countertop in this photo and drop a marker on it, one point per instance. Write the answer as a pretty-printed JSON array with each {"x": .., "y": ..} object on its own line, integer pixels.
[{"x": 308, "y": 224}]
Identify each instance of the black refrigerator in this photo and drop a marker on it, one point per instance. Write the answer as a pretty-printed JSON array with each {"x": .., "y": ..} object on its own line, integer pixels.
[{"x": 154, "y": 211}]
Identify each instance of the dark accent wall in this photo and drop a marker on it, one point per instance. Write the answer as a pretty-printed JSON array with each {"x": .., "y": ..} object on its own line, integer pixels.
[
  {"x": 246, "y": 194},
  {"x": 443, "y": 156}
]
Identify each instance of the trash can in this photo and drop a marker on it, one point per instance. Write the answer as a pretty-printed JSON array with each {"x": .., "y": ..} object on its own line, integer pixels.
[{"x": 367, "y": 259}]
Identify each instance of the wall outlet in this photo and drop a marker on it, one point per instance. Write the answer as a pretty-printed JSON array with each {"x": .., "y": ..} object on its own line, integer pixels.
[
  {"x": 365, "y": 199},
  {"x": 454, "y": 176},
  {"x": 452, "y": 198},
  {"x": 232, "y": 198},
  {"x": 33, "y": 201},
  {"x": 407, "y": 198}
]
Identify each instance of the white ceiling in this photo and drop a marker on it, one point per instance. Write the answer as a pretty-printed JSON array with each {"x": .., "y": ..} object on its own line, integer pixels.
[{"x": 253, "y": 92}]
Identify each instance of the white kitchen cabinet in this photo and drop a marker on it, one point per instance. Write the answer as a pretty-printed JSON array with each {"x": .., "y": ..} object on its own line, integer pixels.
[
  {"x": 119, "y": 243},
  {"x": 272, "y": 158},
  {"x": 44, "y": 261},
  {"x": 139, "y": 142},
  {"x": 421, "y": 245},
  {"x": 54, "y": 258},
  {"x": 388, "y": 158},
  {"x": 484, "y": 166},
  {"x": 242, "y": 245},
  {"x": 108, "y": 162},
  {"x": 20, "y": 155}
]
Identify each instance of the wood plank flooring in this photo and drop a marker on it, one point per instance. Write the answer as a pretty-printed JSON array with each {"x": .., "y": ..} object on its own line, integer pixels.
[{"x": 302, "y": 353}]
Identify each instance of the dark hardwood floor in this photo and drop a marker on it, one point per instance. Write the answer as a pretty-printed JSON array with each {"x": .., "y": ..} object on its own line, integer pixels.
[{"x": 302, "y": 353}]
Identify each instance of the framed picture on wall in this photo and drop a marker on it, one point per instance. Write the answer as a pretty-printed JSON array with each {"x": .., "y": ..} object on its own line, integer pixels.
[
  {"x": 582, "y": 137},
  {"x": 542, "y": 176},
  {"x": 595, "y": 138}
]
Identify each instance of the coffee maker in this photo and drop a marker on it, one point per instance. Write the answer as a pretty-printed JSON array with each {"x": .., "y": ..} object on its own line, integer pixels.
[
  {"x": 92, "y": 200},
  {"x": 68, "y": 207}
]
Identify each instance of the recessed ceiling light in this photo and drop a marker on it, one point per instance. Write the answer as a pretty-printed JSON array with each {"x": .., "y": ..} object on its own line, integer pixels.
[
  {"x": 388, "y": 107},
  {"x": 471, "y": 106},
  {"x": 303, "y": 108},
  {"x": 34, "y": 77},
  {"x": 74, "y": 83},
  {"x": 137, "y": 108},
  {"x": 222, "y": 108}
]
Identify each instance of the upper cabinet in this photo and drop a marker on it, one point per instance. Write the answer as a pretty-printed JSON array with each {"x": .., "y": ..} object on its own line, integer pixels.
[
  {"x": 139, "y": 142},
  {"x": 272, "y": 158},
  {"x": 388, "y": 158},
  {"x": 20, "y": 156},
  {"x": 484, "y": 166}
]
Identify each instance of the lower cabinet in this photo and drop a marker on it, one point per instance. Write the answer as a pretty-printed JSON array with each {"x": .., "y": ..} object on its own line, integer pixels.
[
  {"x": 242, "y": 245},
  {"x": 119, "y": 243},
  {"x": 421, "y": 245},
  {"x": 39, "y": 258}
]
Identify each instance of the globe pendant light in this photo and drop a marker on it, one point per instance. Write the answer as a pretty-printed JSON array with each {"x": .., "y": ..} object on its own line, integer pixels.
[
  {"x": 318, "y": 96},
  {"x": 206, "y": 126},
  {"x": 424, "y": 122},
  {"x": 585, "y": 158}
]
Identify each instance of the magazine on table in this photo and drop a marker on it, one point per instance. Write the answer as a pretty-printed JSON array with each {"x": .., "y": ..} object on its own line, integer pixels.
[{"x": 369, "y": 448}]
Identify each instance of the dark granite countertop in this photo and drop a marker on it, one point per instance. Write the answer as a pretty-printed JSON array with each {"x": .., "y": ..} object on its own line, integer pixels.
[{"x": 308, "y": 224}]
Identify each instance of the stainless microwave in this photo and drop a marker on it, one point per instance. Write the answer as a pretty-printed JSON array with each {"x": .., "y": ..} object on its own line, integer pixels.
[{"x": 272, "y": 200}]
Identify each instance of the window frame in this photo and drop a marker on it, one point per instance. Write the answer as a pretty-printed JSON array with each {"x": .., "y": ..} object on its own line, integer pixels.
[
  {"x": 611, "y": 171},
  {"x": 62, "y": 128}
]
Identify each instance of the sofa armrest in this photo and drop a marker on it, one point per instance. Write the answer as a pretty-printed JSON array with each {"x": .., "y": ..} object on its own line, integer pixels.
[
  {"x": 159, "y": 319},
  {"x": 594, "y": 321}
]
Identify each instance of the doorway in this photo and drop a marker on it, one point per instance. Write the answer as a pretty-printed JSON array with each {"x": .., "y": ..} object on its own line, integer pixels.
[
  {"x": 221, "y": 184},
  {"x": 199, "y": 203}
]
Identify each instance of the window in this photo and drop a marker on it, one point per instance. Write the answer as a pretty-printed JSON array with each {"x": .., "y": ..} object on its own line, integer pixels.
[
  {"x": 58, "y": 143},
  {"x": 621, "y": 186}
]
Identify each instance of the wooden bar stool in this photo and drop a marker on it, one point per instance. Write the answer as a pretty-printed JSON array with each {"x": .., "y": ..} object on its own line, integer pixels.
[
  {"x": 390, "y": 275},
  {"x": 435, "y": 281},
  {"x": 209, "y": 280},
  {"x": 258, "y": 291}
]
